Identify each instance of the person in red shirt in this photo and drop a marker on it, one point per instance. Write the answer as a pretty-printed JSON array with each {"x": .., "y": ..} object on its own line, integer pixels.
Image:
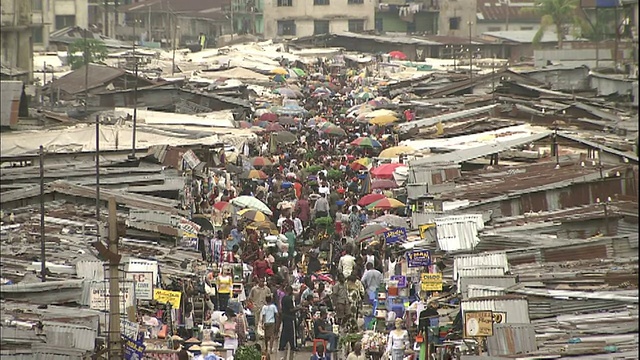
[
  {"x": 260, "y": 267},
  {"x": 297, "y": 187}
]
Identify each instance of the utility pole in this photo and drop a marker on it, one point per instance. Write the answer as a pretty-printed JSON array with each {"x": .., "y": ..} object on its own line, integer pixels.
[
  {"x": 232, "y": 21},
  {"x": 98, "y": 203},
  {"x": 135, "y": 94},
  {"x": 115, "y": 343},
  {"x": 43, "y": 260},
  {"x": 470, "y": 23},
  {"x": 105, "y": 27},
  {"x": 175, "y": 34},
  {"x": 86, "y": 73}
]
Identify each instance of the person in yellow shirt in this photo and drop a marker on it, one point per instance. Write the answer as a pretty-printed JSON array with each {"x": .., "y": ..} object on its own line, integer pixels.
[{"x": 224, "y": 283}]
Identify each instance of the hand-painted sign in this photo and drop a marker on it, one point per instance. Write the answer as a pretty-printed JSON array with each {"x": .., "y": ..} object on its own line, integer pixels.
[
  {"x": 478, "y": 324},
  {"x": 397, "y": 235},
  {"x": 431, "y": 282},
  {"x": 133, "y": 350},
  {"x": 166, "y": 296},
  {"x": 401, "y": 279},
  {"x": 129, "y": 329},
  {"x": 143, "y": 284},
  {"x": 418, "y": 258}
]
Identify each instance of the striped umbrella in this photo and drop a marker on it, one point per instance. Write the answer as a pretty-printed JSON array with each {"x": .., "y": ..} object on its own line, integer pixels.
[
  {"x": 385, "y": 204},
  {"x": 273, "y": 127},
  {"x": 266, "y": 226},
  {"x": 268, "y": 117},
  {"x": 335, "y": 131},
  {"x": 221, "y": 205},
  {"x": 253, "y": 215},
  {"x": 366, "y": 142},
  {"x": 260, "y": 161},
  {"x": 370, "y": 198},
  {"x": 361, "y": 164},
  {"x": 254, "y": 174}
]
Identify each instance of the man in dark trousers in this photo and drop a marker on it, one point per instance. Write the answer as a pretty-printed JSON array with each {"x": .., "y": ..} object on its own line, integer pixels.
[{"x": 288, "y": 321}]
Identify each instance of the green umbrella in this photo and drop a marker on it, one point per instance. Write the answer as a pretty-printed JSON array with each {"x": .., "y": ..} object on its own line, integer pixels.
[{"x": 299, "y": 72}]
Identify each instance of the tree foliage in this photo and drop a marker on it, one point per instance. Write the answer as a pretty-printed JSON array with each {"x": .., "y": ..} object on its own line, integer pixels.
[
  {"x": 556, "y": 13},
  {"x": 96, "y": 51}
]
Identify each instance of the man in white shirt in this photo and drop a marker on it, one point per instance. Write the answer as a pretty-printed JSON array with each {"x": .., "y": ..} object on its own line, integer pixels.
[
  {"x": 297, "y": 223},
  {"x": 371, "y": 280},
  {"x": 346, "y": 264}
]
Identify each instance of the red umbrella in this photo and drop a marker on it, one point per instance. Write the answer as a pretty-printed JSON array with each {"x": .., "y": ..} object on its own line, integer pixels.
[
  {"x": 221, "y": 205},
  {"x": 371, "y": 198},
  {"x": 260, "y": 161},
  {"x": 383, "y": 184},
  {"x": 398, "y": 55},
  {"x": 274, "y": 127},
  {"x": 385, "y": 171},
  {"x": 268, "y": 117}
]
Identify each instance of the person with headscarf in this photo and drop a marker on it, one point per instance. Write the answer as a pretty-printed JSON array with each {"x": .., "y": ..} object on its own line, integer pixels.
[{"x": 354, "y": 222}]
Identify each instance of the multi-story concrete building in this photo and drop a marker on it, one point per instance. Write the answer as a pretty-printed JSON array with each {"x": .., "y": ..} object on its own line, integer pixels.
[
  {"x": 16, "y": 47},
  {"x": 295, "y": 18},
  {"x": 56, "y": 15}
]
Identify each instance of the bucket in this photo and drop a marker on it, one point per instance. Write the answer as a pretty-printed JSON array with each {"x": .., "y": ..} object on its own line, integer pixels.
[{"x": 392, "y": 289}]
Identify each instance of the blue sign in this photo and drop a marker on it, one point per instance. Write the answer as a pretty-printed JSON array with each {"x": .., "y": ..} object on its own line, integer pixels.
[
  {"x": 397, "y": 235},
  {"x": 418, "y": 258},
  {"x": 133, "y": 350},
  {"x": 401, "y": 279}
]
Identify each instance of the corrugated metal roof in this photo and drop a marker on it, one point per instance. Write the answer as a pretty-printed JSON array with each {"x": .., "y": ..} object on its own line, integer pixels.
[
  {"x": 497, "y": 259},
  {"x": 606, "y": 149},
  {"x": 517, "y": 309},
  {"x": 504, "y": 281},
  {"x": 73, "y": 83},
  {"x": 480, "y": 291},
  {"x": 446, "y": 117},
  {"x": 458, "y": 232},
  {"x": 512, "y": 339},
  {"x": 69, "y": 335},
  {"x": 388, "y": 39},
  {"x": 464, "y": 155},
  {"x": 90, "y": 270}
]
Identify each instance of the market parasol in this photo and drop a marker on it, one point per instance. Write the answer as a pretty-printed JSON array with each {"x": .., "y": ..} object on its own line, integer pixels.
[
  {"x": 398, "y": 55},
  {"x": 335, "y": 131},
  {"x": 385, "y": 204},
  {"x": 285, "y": 137},
  {"x": 371, "y": 198},
  {"x": 245, "y": 201},
  {"x": 253, "y": 215},
  {"x": 266, "y": 226},
  {"x": 326, "y": 125},
  {"x": 279, "y": 78},
  {"x": 222, "y": 206},
  {"x": 392, "y": 220},
  {"x": 385, "y": 171},
  {"x": 299, "y": 72},
  {"x": 290, "y": 93},
  {"x": 268, "y": 117},
  {"x": 361, "y": 164},
  {"x": 366, "y": 142},
  {"x": 287, "y": 120},
  {"x": 260, "y": 161},
  {"x": 395, "y": 151},
  {"x": 273, "y": 127},
  {"x": 262, "y": 124},
  {"x": 380, "y": 184},
  {"x": 370, "y": 231},
  {"x": 244, "y": 124},
  {"x": 383, "y": 119},
  {"x": 367, "y": 116},
  {"x": 279, "y": 71},
  {"x": 254, "y": 174}
]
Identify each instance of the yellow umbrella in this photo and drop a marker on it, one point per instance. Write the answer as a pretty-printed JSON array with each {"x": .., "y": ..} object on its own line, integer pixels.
[
  {"x": 383, "y": 120},
  {"x": 279, "y": 71},
  {"x": 379, "y": 112},
  {"x": 253, "y": 215},
  {"x": 266, "y": 226},
  {"x": 393, "y": 152}
]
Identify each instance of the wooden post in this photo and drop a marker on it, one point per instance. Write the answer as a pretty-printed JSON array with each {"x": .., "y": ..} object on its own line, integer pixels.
[
  {"x": 115, "y": 343},
  {"x": 43, "y": 257}
]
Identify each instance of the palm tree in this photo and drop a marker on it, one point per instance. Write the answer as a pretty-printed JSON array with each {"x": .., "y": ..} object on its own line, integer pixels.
[{"x": 556, "y": 13}]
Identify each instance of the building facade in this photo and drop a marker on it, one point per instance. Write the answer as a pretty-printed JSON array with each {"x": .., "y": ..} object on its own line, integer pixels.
[
  {"x": 285, "y": 19},
  {"x": 56, "y": 15},
  {"x": 16, "y": 46},
  {"x": 402, "y": 16}
]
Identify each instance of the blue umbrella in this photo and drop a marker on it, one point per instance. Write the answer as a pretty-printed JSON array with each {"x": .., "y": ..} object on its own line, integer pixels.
[
  {"x": 340, "y": 202},
  {"x": 286, "y": 185}
]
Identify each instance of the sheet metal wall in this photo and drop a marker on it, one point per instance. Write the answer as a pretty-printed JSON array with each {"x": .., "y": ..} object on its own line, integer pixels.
[
  {"x": 517, "y": 309},
  {"x": 70, "y": 336},
  {"x": 498, "y": 281},
  {"x": 498, "y": 259},
  {"x": 511, "y": 339}
]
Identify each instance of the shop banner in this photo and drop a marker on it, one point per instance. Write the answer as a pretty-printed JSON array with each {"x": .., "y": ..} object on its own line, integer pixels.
[
  {"x": 99, "y": 298},
  {"x": 431, "y": 282},
  {"x": 401, "y": 279},
  {"x": 143, "y": 284},
  {"x": 478, "y": 324},
  {"x": 418, "y": 258},
  {"x": 133, "y": 350},
  {"x": 129, "y": 329},
  {"x": 166, "y": 296},
  {"x": 191, "y": 158},
  {"x": 397, "y": 235}
]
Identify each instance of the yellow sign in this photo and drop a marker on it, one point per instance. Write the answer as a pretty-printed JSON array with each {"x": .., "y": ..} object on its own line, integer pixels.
[
  {"x": 166, "y": 296},
  {"x": 423, "y": 230},
  {"x": 478, "y": 324},
  {"x": 431, "y": 282}
]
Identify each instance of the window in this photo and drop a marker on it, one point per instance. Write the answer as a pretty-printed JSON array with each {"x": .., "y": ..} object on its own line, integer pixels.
[
  {"x": 285, "y": 2},
  {"x": 37, "y": 36},
  {"x": 286, "y": 28},
  {"x": 64, "y": 21},
  {"x": 36, "y": 5},
  {"x": 454, "y": 23},
  {"x": 356, "y": 25},
  {"x": 526, "y": 28},
  {"x": 320, "y": 27},
  {"x": 321, "y": 2},
  {"x": 350, "y": 2},
  {"x": 494, "y": 28}
]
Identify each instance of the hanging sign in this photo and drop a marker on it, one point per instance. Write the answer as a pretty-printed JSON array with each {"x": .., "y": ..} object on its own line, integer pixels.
[
  {"x": 143, "y": 284},
  {"x": 431, "y": 282},
  {"x": 191, "y": 158},
  {"x": 423, "y": 230},
  {"x": 129, "y": 329},
  {"x": 166, "y": 296},
  {"x": 499, "y": 317},
  {"x": 418, "y": 258},
  {"x": 397, "y": 235},
  {"x": 478, "y": 324},
  {"x": 133, "y": 350},
  {"x": 401, "y": 279},
  {"x": 99, "y": 296}
]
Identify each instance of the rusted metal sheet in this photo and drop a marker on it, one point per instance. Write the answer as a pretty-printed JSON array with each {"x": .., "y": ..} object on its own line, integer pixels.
[
  {"x": 512, "y": 339},
  {"x": 534, "y": 202},
  {"x": 529, "y": 259},
  {"x": 575, "y": 253},
  {"x": 436, "y": 178}
]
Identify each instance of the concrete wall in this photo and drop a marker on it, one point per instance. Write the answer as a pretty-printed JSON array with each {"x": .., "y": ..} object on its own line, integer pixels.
[
  {"x": 486, "y": 27},
  {"x": 304, "y": 13},
  {"x": 16, "y": 46},
  {"x": 10, "y": 93},
  {"x": 465, "y": 9},
  {"x": 53, "y": 8}
]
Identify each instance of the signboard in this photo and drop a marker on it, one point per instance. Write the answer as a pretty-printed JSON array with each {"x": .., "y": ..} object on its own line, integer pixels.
[
  {"x": 99, "y": 296},
  {"x": 189, "y": 227},
  {"x": 191, "y": 159},
  {"x": 499, "y": 317},
  {"x": 418, "y": 258},
  {"x": 423, "y": 230},
  {"x": 143, "y": 284},
  {"x": 401, "y": 279},
  {"x": 188, "y": 241},
  {"x": 397, "y": 235},
  {"x": 478, "y": 324},
  {"x": 431, "y": 282},
  {"x": 166, "y": 296},
  {"x": 129, "y": 329},
  {"x": 133, "y": 350}
]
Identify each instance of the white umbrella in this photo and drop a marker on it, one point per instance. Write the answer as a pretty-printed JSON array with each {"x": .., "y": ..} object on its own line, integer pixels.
[{"x": 245, "y": 201}]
